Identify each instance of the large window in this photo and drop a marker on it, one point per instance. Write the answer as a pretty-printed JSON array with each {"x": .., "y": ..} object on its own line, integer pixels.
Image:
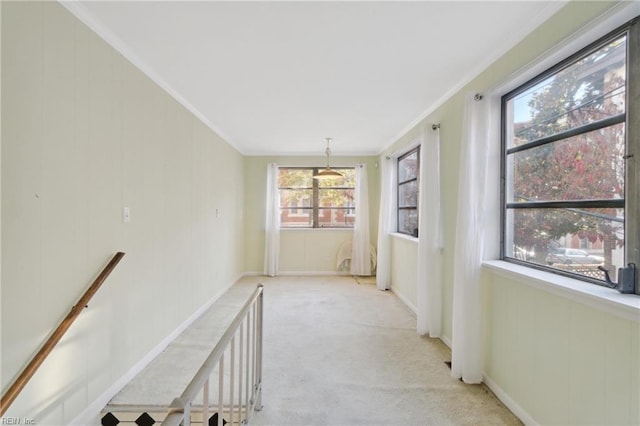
[
  {"x": 570, "y": 192},
  {"x": 313, "y": 203},
  {"x": 408, "y": 190}
]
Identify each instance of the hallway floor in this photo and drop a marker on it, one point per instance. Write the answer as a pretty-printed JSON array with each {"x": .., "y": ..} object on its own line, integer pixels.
[{"x": 336, "y": 352}]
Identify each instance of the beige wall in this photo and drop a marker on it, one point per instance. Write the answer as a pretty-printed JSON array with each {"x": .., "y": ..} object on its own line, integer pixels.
[
  {"x": 562, "y": 361},
  {"x": 404, "y": 251},
  {"x": 84, "y": 134},
  {"x": 557, "y": 360},
  {"x": 310, "y": 250}
]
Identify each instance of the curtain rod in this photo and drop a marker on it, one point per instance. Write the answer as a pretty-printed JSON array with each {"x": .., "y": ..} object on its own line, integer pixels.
[{"x": 411, "y": 145}]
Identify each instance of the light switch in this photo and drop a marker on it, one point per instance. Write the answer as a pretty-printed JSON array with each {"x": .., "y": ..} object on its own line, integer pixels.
[{"x": 126, "y": 215}]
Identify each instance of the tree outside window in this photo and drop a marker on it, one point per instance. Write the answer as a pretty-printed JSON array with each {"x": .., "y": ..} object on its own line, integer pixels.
[
  {"x": 310, "y": 203},
  {"x": 564, "y": 169}
]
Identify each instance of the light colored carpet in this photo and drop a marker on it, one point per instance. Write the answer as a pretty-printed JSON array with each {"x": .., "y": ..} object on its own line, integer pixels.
[
  {"x": 343, "y": 354},
  {"x": 335, "y": 353}
]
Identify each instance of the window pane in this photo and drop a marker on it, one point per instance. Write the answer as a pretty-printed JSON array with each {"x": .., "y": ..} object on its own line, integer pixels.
[
  {"x": 295, "y": 178},
  {"x": 587, "y": 91},
  {"x": 295, "y": 198},
  {"x": 588, "y": 166},
  {"x": 336, "y": 197},
  {"x": 296, "y": 218},
  {"x": 408, "y": 221},
  {"x": 336, "y": 217},
  {"x": 556, "y": 238},
  {"x": 349, "y": 177},
  {"x": 408, "y": 194},
  {"x": 295, "y": 207},
  {"x": 408, "y": 167},
  {"x": 408, "y": 187}
]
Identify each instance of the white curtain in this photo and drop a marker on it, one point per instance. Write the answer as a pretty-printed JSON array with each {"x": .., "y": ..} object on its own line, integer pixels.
[
  {"x": 386, "y": 223},
  {"x": 272, "y": 226},
  {"x": 430, "y": 243},
  {"x": 466, "y": 357},
  {"x": 361, "y": 251}
]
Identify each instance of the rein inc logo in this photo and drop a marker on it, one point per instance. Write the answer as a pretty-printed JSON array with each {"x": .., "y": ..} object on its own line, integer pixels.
[{"x": 17, "y": 421}]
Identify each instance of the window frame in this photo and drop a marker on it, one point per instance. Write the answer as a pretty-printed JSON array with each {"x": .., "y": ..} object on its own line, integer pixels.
[
  {"x": 631, "y": 201},
  {"x": 315, "y": 198},
  {"x": 405, "y": 182}
]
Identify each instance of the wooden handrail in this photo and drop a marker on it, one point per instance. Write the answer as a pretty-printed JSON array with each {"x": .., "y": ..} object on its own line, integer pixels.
[{"x": 28, "y": 372}]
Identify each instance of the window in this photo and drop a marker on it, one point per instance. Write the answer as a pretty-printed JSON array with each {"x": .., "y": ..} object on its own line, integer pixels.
[
  {"x": 570, "y": 201},
  {"x": 311, "y": 203},
  {"x": 408, "y": 189}
]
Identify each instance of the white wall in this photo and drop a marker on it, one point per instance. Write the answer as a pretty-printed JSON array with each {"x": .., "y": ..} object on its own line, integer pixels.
[
  {"x": 555, "y": 360},
  {"x": 84, "y": 134}
]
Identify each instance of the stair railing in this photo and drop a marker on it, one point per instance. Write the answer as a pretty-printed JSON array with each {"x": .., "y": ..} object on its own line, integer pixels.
[
  {"x": 27, "y": 373},
  {"x": 242, "y": 344}
]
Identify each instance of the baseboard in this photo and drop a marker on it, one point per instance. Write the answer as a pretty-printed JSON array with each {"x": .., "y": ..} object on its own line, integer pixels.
[
  {"x": 404, "y": 300},
  {"x": 314, "y": 273},
  {"x": 301, "y": 274},
  {"x": 446, "y": 341},
  {"x": 92, "y": 410},
  {"x": 508, "y": 401}
]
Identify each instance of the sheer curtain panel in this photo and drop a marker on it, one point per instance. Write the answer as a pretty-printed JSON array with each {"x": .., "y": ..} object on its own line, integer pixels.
[
  {"x": 466, "y": 356},
  {"x": 386, "y": 223},
  {"x": 361, "y": 251},
  {"x": 429, "y": 291},
  {"x": 272, "y": 225}
]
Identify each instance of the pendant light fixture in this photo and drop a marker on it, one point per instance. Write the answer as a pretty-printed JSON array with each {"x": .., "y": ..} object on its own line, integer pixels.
[{"x": 328, "y": 172}]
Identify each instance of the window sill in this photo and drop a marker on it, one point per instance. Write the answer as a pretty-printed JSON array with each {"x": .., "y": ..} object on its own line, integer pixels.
[
  {"x": 404, "y": 237},
  {"x": 315, "y": 229},
  {"x": 606, "y": 299}
]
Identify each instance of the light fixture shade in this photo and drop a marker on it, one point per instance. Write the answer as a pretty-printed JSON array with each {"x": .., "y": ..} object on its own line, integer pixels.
[{"x": 328, "y": 172}]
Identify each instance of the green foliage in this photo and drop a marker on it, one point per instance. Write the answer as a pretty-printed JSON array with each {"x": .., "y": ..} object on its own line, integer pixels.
[
  {"x": 297, "y": 184},
  {"x": 587, "y": 166}
]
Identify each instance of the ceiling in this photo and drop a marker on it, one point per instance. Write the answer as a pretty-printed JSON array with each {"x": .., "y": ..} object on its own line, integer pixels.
[{"x": 279, "y": 77}]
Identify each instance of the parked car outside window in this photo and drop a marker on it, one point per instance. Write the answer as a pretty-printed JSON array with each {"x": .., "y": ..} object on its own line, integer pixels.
[{"x": 569, "y": 256}]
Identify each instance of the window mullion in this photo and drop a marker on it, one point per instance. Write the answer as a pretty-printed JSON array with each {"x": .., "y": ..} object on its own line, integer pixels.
[
  {"x": 632, "y": 195},
  {"x": 613, "y": 203},
  {"x": 575, "y": 131},
  {"x": 316, "y": 199}
]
